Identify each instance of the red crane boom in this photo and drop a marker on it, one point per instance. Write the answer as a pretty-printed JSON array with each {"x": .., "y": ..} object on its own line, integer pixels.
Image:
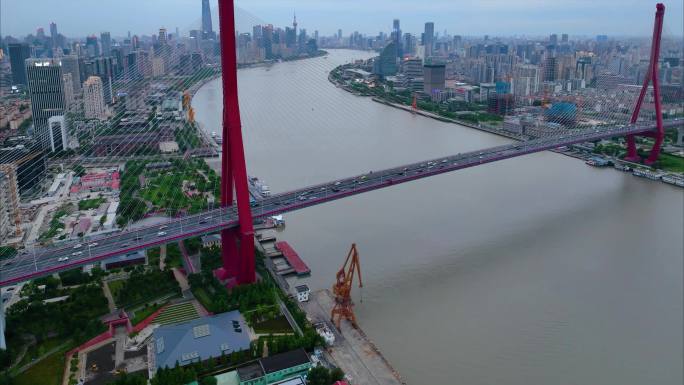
[{"x": 344, "y": 306}]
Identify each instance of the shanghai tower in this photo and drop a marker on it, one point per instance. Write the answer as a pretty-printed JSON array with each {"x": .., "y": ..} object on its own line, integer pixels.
[{"x": 207, "y": 31}]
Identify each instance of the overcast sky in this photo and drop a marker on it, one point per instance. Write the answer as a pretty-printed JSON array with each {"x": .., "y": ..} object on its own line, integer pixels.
[{"x": 466, "y": 17}]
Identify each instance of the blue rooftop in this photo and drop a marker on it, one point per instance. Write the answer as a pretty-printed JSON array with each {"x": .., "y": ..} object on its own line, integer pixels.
[{"x": 200, "y": 339}]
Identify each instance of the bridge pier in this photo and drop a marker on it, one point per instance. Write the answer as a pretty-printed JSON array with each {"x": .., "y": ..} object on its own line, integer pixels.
[
  {"x": 3, "y": 343},
  {"x": 651, "y": 76},
  {"x": 237, "y": 246}
]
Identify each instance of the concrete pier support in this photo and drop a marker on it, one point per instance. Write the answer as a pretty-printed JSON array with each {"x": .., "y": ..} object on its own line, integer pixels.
[{"x": 3, "y": 344}]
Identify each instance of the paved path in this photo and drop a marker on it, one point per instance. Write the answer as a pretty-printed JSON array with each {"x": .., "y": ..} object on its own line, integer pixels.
[
  {"x": 44, "y": 356},
  {"x": 162, "y": 257},
  {"x": 120, "y": 341},
  {"x": 21, "y": 354},
  {"x": 181, "y": 279},
  {"x": 353, "y": 352},
  {"x": 110, "y": 299},
  {"x": 186, "y": 257}
]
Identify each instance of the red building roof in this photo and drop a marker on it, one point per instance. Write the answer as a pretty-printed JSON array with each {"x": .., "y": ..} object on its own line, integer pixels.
[{"x": 292, "y": 258}]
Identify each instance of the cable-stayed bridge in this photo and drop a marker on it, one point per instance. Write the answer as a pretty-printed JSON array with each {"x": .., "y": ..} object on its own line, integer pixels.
[{"x": 39, "y": 262}]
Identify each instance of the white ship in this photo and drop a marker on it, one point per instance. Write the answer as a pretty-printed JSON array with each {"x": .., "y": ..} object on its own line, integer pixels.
[{"x": 677, "y": 180}]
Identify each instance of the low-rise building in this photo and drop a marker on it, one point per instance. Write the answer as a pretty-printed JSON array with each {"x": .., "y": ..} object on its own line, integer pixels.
[
  {"x": 100, "y": 181},
  {"x": 286, "y": 368},
  {"x": 302, "y": 293},
  {"x": 199, "y": 339},
  {"x": 211, "y": 240}
]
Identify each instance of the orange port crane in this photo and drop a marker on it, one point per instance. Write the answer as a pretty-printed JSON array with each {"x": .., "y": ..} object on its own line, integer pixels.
[{"x": 342, "y": 289}]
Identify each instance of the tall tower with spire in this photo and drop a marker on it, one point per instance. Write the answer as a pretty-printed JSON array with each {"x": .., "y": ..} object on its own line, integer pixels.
[
  {"x": 207, "y": 28},
  {"x": 294, "y": 23}
]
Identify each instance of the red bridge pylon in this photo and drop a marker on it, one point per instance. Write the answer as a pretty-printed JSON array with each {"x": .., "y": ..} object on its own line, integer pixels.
[
  {"x": 237, "y": 245},
  {"x": 651, "y": 76}
]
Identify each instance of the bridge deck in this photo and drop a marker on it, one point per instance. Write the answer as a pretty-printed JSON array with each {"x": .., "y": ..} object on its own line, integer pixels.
[{"x": 44, "y": 261}]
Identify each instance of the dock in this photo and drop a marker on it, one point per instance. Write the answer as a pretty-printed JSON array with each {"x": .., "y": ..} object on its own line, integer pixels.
[
  {"x": 292, "y": 258},
  {"x": 352, "y": 351}
]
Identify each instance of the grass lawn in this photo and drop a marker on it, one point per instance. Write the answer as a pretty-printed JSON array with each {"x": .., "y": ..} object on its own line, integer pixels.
[
  {"x": 90, "y": 203},
  {"x": 174, "y": 314},
  {"x": 153, "y": 256},
  {"x": 115, "y": 287},
  {"x": 35, "y": 351},
  {"x": 670, "y": 162},
  {"x": 143, "y": 313},
  {"x": 47, "y": 372},
  {"x": 276, "y": 325},
  {"x": 203, "y": 297},
  {"x": 174, "y": 257}
]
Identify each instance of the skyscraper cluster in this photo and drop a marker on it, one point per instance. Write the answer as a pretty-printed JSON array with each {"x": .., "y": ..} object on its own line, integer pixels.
[{"x": 267, "y": 42}]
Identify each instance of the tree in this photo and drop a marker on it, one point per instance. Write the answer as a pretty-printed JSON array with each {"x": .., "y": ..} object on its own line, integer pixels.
[
  {"x": 79, "y": 170},
  {"x": 5, "y": 379},
  {"x": 318, "y": 376},
  {"x": 7, "y": 252},
  {"x": 336, "y": 374},
  {"x": 209, "y": 380}
]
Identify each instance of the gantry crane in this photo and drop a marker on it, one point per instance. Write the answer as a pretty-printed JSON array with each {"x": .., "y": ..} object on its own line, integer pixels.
[{"x": 342, "y": 289}]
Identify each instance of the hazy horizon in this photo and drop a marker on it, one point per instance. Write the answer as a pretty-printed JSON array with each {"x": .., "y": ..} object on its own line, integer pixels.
[{"x": 19, "y": 18}]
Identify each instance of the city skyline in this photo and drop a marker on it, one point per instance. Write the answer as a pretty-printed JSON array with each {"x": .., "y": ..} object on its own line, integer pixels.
[{"x": 493, "y": 17}]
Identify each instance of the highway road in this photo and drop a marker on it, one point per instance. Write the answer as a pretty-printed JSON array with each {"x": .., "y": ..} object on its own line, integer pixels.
[{"x": 38, "y": 262}]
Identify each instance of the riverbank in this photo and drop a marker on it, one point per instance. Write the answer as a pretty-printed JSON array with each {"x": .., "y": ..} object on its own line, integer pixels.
[
  {"x": 567, "y": 151},
  {"x": 469, "y": 290},
  {"x": 351, "y": 350},
  {"x": 267, "y": 63}
]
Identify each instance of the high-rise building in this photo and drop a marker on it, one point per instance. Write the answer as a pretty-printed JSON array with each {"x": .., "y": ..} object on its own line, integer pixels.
[
  {"x": 92, "y": 47},
  {"x": 396, "y": 36},
  {"x": 6, "y": 226},
  {"x": 409, "y": 46},
  {"x": 526, "y": 80},
  {"x": 207, "y": 28},
  {"x": 18, "y": 54},
  {"x": 106, "y": 41},
  {"x": 10, "y": 215},
  {"x": 158, "y": 68},
  {"x": 58, "y": 133},
  {"x": 564, "y": 38},
  {"x": 26, "y": 166},
  {"x": 412, "y": 67},
  {"x": 294, "y": 24},
  {"x": 386, "y": 63},
  {"x": 70, "y": 64},
  {"x": 53, "y": 34},
  {"x": 553, "y": 39},
  {"x": 103, "y": 68},
  {"x": 46, "y": 88},
  {"x": 68, "y": 90},
  {"x": 428, "y": 38},
  {"x": 434, "y": 78},
  {"x": 93, "y": 99},
  {"x": 162, "y": 37},
  {"x": 550, "y": 69}
]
